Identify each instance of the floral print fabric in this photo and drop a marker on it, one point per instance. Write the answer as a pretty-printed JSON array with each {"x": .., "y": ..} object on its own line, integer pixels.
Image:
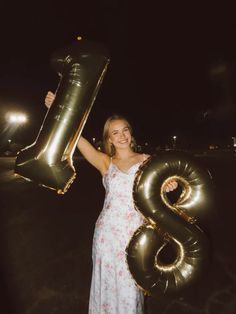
[{"x": 113, "y": 290}]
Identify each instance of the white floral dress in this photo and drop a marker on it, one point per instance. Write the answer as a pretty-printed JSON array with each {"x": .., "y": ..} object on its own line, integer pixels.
[{"x": 113, "y": 290}]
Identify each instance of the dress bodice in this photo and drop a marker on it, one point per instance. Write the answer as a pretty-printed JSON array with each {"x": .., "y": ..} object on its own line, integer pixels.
[{"x": 119, "y": 184}]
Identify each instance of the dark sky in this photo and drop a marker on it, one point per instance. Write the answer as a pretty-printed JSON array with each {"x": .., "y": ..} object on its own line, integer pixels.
[{"x": 172, "y": 69}]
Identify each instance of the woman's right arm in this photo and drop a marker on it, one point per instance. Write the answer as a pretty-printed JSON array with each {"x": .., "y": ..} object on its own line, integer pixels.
[{"x": 96, "y": 158}]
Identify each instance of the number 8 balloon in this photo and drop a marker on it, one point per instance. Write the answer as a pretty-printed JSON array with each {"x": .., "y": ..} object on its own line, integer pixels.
[
  {"x": 170, "y": 225},
  {"x": 48, "y": 161}
]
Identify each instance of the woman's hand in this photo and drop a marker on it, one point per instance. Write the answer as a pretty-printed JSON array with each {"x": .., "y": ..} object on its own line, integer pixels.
[
  {"x": 170, "y": 186},
  {"x": 49, "y": 99}
]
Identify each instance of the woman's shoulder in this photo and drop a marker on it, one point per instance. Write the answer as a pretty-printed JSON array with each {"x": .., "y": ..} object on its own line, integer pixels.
[
  {"x": 142, "y": 157},
  {"x": 106, "y": 163},
  {"x": 146, "y": 156}
]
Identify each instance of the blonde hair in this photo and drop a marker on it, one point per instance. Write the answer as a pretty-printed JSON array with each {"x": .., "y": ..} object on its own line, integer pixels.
[{"x": 109, "y": 148}]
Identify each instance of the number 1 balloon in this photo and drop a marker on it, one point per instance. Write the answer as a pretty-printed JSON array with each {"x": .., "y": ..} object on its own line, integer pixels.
[{"x": 48, "y": 161}]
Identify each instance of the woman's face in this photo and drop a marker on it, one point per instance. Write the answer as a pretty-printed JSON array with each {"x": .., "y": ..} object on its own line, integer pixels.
[{"x": 119, "y": 134}]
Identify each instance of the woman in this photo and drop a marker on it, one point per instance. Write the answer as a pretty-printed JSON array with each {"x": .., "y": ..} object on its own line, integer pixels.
[{"x": 113, "y": 289}]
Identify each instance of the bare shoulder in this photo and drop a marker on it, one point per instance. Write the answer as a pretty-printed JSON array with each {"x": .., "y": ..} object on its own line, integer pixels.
[
  {"x": 106, "y": 160},
  {"x": 142, "y": 157},
  {"x": 145, "y": 156}
]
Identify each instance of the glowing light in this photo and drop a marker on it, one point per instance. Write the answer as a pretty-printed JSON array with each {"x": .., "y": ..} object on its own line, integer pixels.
[
  {"x": 16, "y": 118},
  {"x": 174, "y": 141}
]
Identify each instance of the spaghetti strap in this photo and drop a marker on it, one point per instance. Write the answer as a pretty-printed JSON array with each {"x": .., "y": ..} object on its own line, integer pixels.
[{"x": 110, "y": 161}]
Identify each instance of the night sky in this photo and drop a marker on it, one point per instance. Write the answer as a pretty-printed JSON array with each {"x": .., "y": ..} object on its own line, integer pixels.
[{"x": 172, "y": 69}]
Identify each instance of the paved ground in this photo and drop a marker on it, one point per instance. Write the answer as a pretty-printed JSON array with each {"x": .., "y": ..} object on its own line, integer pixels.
[{"x": 46, "y": 239}]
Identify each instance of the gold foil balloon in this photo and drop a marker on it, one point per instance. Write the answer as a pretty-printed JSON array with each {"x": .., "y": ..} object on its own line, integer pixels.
[
  {"x": 48, "y": 161},
  {"x": 173, "y": 228}
]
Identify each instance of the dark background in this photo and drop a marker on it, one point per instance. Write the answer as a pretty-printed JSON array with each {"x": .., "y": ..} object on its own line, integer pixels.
[
  {"x": 172, "y": 69},
  {"x": 172, "y": 72}
]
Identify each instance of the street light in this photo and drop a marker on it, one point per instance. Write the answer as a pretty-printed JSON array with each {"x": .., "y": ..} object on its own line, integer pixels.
[
  {"x": 174, "y": 141},
  {"x": 16, "y": 118},
  {"x": 234, "y": 142}
]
